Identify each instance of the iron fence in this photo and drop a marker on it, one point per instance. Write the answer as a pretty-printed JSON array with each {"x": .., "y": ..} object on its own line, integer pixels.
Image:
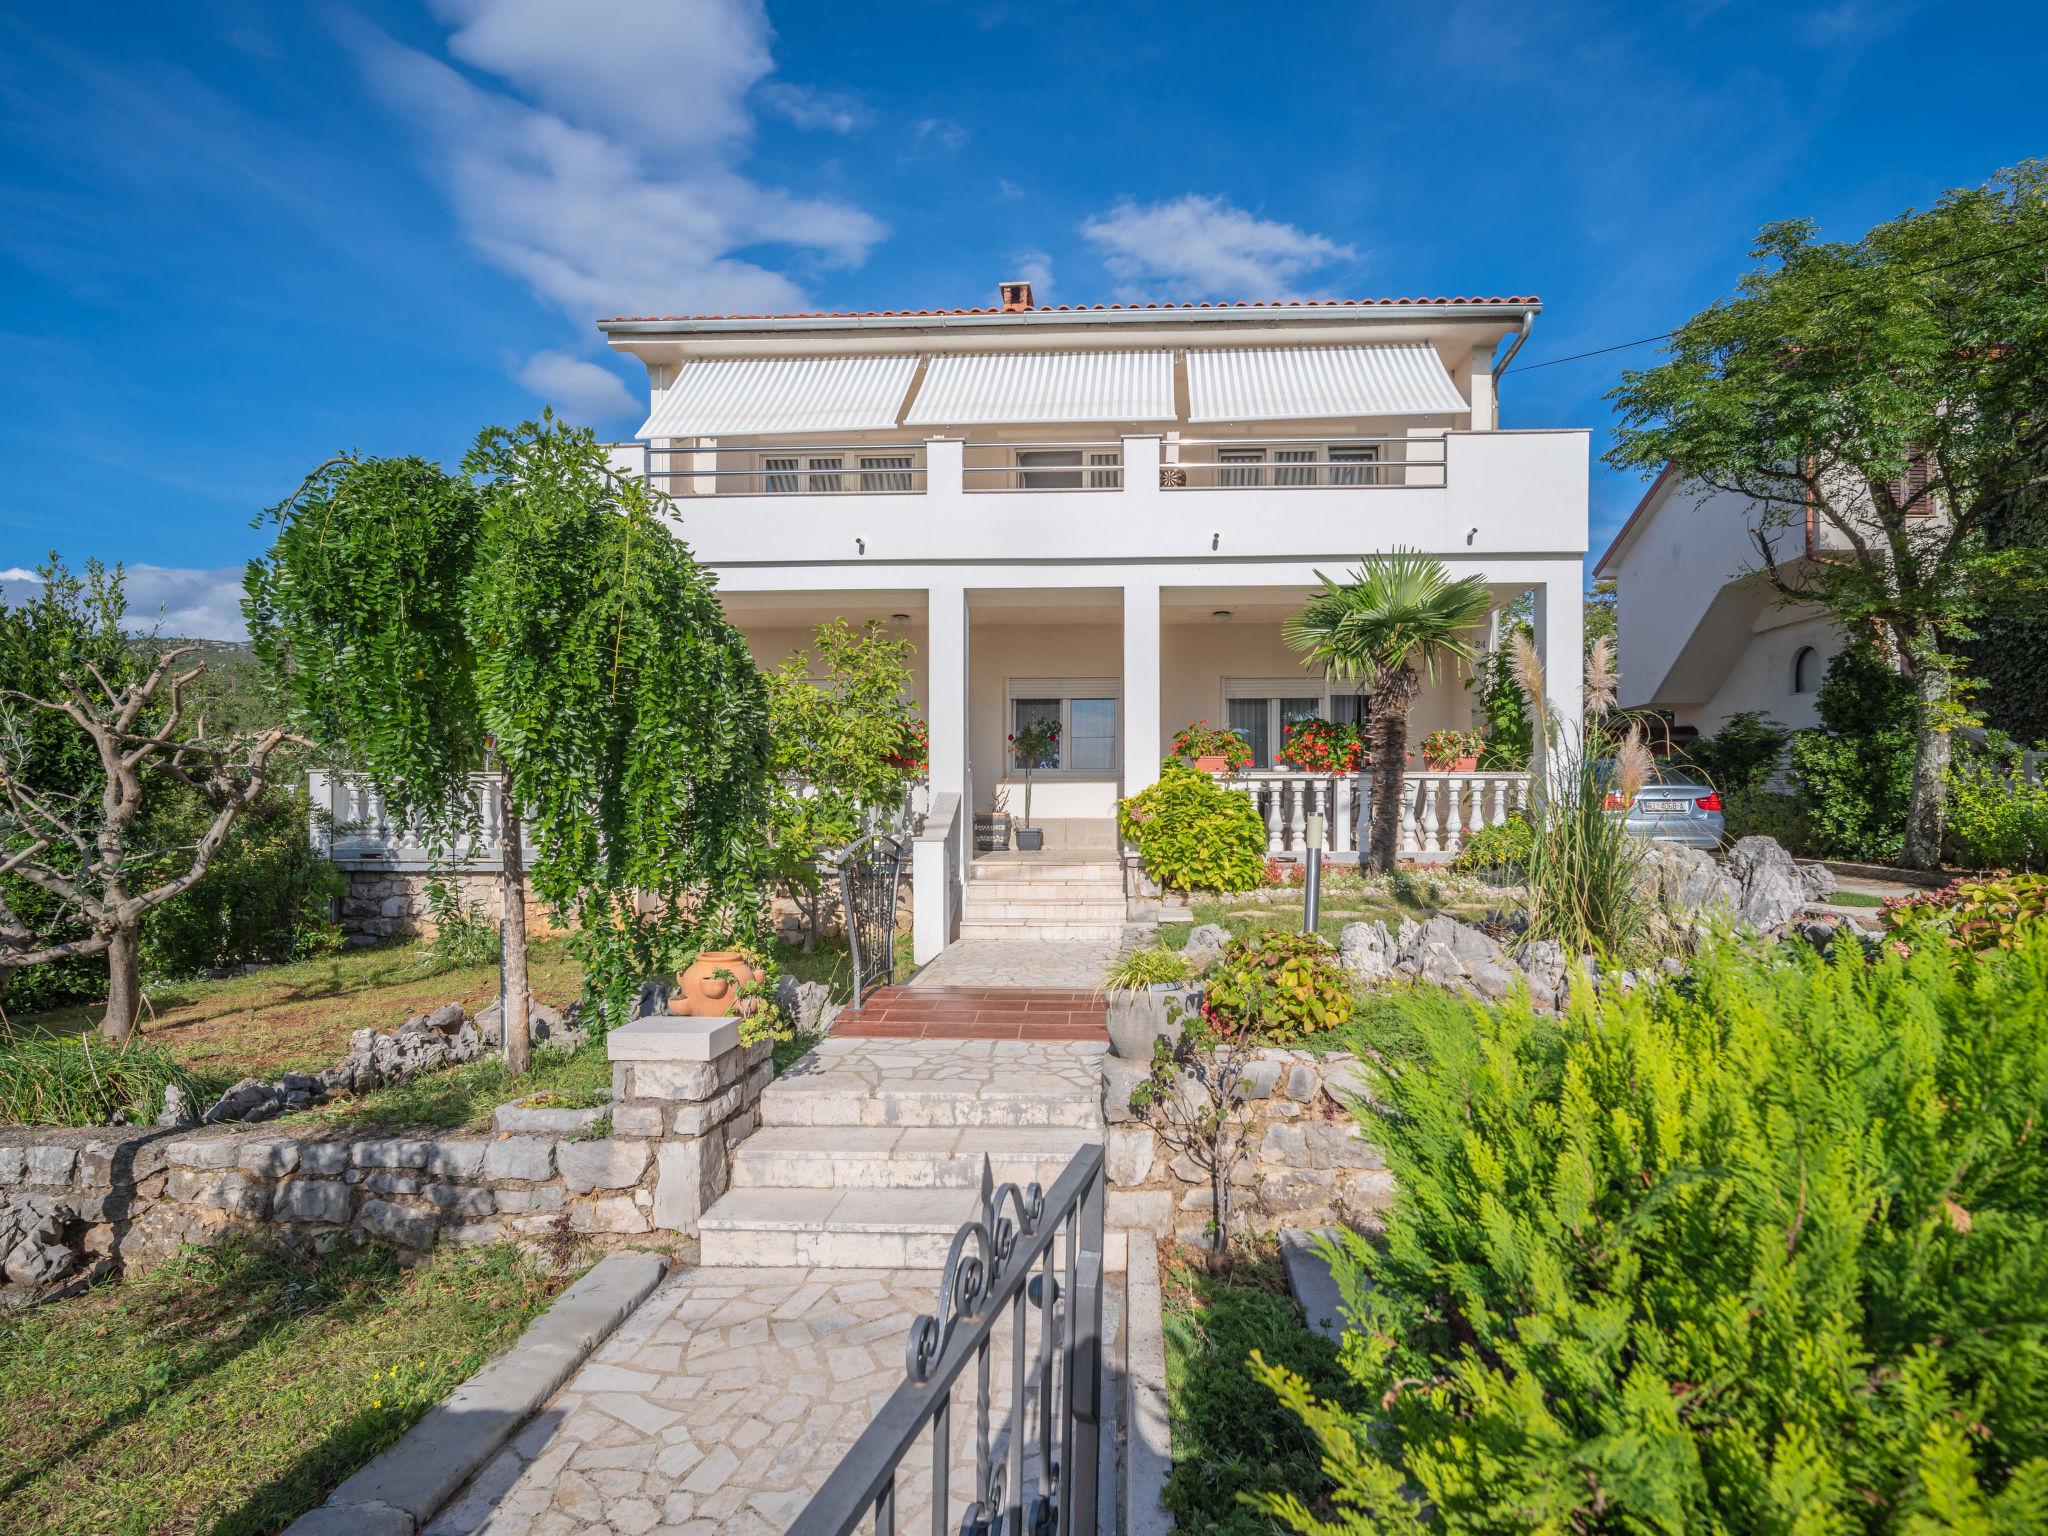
[
  {"x": 1029, "y": 1251},
  {"x": 870, "y": 872}
]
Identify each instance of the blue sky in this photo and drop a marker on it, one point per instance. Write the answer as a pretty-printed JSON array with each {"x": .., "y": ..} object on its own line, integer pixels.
[{"x": 236, "y": 237}]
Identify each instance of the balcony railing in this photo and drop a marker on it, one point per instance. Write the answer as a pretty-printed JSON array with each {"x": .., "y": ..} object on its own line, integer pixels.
[
  {"x": 1049, "y": 467},
  {"x": 1439, "y": 811},
  {"x": 1354, "y": 463},
  {"x": 825, "y": 469}
]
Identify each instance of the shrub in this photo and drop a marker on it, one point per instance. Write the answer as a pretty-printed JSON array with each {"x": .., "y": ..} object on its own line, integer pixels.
[
  {"x": 463, "y": 932},
  {"x": 1996, "y": 819},
  {"x": 1855, "y": 774},
  {"x": 1193, "y": 833},
  {"x": 1759, "y": 1253},
  {"x": 1583, "y": 870},
  {"x": 79, "y": 1080},
  {"x": 1767, "y": 813},
  {"x": 1503, "y": 846},
  {"x": 267, "y": 897},
  {"x": 1971, "y": 914},
  {"x": 1742, "y": 754},
  {"x": 1278, "y": 986}
]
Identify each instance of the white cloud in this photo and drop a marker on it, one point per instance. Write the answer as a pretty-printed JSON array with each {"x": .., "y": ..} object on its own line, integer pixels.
[
  {"x": 617, "y": 189},
  {"x": 808, "y": 107},
  {"x": 582, "y": 391},
  {"x": 173, "y": 601},
  {"x": 1035, "y": 268},
  {"x": 937, "y": 136},
  {"x": 1007, "y": 191},
  {"x": 1196, "y": 247}
]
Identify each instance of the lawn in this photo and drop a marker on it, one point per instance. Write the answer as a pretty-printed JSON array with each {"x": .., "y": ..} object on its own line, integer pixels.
[
  {"x": 1346, "y": 897},
  {"x": 298, "y": 1018},
  {"x": 230, "y": 1389},
  {"x": 1229, "y": 1434}
]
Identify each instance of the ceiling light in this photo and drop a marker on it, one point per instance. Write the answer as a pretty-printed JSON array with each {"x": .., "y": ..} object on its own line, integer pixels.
[{"x": 1220, "y": 616}]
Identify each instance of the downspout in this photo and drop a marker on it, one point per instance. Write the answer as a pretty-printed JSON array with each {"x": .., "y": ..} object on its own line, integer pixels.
[{"x": 1501, "y": 367}]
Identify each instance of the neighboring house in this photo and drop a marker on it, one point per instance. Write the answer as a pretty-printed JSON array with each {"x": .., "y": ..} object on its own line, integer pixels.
[
  {"x": 1103, "y": 514},
  {"x": 1701, "y": 634}
]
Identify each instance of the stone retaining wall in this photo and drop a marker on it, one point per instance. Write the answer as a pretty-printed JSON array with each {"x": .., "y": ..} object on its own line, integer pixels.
[
  {"x": 1307, "y": 1162},
  {"x": 649, "y": 1162}
]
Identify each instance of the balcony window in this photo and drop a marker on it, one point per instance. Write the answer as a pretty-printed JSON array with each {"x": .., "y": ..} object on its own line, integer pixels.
[
  {"x": 1085, "y": 710},
  {"x": 1354, "y": 465},
  {"x": 1260, "y": 710},
  {"x": 1069, "y": 469},
  {"x": 886, "y": 472},
  {"x": 1241, "y": 466}
]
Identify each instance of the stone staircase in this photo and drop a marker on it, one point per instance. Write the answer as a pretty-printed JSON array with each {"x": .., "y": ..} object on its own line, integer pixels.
[
  {"x": 1049, "y": 897},
  {"x": 869, "y": 1151}
]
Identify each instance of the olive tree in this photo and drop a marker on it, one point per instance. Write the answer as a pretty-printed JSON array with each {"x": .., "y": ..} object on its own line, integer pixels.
[
  {"x": 531, "y": 615},
  {"x": 1877, "y": 399}
]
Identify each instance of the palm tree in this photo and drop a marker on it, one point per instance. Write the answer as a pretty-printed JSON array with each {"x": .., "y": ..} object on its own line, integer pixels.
[{"x": 1397, "y": 611}]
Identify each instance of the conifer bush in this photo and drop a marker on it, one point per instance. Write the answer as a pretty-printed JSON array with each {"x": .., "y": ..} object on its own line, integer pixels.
[{"x": 1766, "y": 1251}]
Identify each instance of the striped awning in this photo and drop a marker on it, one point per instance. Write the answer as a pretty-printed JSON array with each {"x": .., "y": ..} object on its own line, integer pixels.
[
  {"x": 1292, "y": 383},
  {"x": 1000, "y": 388},
  {"x": 749, "y": 396}
]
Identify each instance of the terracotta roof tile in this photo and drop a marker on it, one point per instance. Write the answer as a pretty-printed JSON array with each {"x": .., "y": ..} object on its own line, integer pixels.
[{"x": 1053, "y": 309}]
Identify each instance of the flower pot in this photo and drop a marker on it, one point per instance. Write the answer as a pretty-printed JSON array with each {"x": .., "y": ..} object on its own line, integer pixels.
[
  {"x": 1030, "y": 839},
  {"x": 1214, "y": 762},
  {"x": 992, "y": 833},
  {"x": 1137, "y": 1018},
  {"x": 701, "y": 994},
  {"x": 1452, "y": 764}
]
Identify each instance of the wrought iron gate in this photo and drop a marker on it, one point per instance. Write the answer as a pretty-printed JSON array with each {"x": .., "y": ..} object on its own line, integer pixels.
[
  {"x": 1055, "y": 1391},
  {"x": 870, "y": 871}
]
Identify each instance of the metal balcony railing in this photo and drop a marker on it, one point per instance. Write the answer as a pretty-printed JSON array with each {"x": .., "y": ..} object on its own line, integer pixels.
[{"x": 1351, "y": 463}]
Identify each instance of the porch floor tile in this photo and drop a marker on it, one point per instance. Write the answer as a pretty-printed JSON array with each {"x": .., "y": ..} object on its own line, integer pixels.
[{"x": 976, "y": 1013}]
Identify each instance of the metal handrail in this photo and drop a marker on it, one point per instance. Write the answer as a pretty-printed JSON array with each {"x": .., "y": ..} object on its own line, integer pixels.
[
  {"x": 846, "y": 861},
  {"x": 988, "y": 1270}
]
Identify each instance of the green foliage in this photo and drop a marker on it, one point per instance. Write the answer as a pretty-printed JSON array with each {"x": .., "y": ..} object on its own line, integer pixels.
[
  {"x": 1322, "y": 746},
  {"x": 1584, "y": 870},
  {"x": 463, "y": 931},
  {"x": 1510, "y": 736},
  {"x": 1504, "y": 846},
  {"x": 1193, "y": 833},
  {"x": 1767, "y": 813},
  {"x": 268, "y": 897},
  {"x": 1137, "y": 969},
  {"x": 1201, "y": 739},
  {"x": 1765, "y": 1252},
  {"x": 1972, "y": 914},
  {"x": 1854, "y": 774},
  {"x": 537, "y": 604},
  {"x": 81, "y": 1080},
  {"x": 1742, "y": 754},
  {"x": 1229, "y": 1435},
  {"x": 839, "y": 716},
  {"x": 1278, "y": 986},
  {"x": 1996, "y": 818}
]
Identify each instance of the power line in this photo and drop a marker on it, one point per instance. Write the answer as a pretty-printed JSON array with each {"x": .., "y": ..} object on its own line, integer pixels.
[{"x": 1939, "y": 266}]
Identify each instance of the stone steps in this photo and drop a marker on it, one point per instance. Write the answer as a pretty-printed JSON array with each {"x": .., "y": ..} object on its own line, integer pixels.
[
  {"x": 1057, "y": 906},
  {"x": 1024, "y": 930},
  {"x": 888, "y": 1157},
  {"x": 835, "y": 1228},
  {"x": 1047, "y": 871}
]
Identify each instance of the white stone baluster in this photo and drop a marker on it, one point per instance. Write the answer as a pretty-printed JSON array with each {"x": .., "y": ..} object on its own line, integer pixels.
[
  {"x": 1500, "y": 802},
  {"x": 1410, "y": 846},
  {"x": 1454, "y": 814},
  {"x": 1273, "y": 792},
  {"x": 1297, "y": 814},
  {"x": 1321, "y": 807},
  {"x": 1432, "y": 831}
]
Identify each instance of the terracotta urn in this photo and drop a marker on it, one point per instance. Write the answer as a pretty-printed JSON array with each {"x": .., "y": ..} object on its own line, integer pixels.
[
  {"x": 701, "y": 994},
  {"x": 1468, "y": 764},
  {"x": 1212, "y": 762}
]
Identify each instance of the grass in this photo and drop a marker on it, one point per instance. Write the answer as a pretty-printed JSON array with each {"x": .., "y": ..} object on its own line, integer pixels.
[
  {"x": 78, "y": 1080},
  {"x": 1346, "y": 898},
  {"x": 1854, "y": 899},
  {"x": 1230, "y": 1435},
  {"x": 230, "y": 1389},
  {"x": 462, "y": 1098}
]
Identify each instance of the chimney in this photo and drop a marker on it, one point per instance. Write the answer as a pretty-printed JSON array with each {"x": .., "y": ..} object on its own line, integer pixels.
[{"x": 1016, "y": 297}]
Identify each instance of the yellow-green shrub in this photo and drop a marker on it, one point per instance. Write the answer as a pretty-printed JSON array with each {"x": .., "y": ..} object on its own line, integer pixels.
[{"x": 1194, "y": 834}]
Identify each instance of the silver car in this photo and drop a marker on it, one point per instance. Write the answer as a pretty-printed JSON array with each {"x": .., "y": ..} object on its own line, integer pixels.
[{"x": 1674, "y": 807}]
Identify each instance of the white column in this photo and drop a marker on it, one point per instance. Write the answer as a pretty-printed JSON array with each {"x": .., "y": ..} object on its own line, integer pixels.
[
  {"x": 1141, "y": 682},
  {"x": 946, "y": 708},
  {"x": 1560, "y": 624}
]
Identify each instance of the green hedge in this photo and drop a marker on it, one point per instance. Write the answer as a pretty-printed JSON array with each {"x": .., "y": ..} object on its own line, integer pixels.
[
  {"x": 1765, "y": 1252},
  {"x": 1854, "y": 776}
]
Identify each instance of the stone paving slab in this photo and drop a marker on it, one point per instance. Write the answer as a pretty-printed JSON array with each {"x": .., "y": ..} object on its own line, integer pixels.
[{"x": 721, "y": 1406}]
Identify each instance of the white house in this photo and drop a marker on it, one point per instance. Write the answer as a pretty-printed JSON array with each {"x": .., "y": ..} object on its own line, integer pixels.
[
  {"x": 1700, "y": 631},
  {"x": 1105, "y": 512}
]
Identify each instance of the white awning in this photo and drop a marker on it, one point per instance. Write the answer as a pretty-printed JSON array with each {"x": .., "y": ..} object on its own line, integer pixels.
[
  {"x": 745, "y": 396},
  {"x": 995, "y": 389},
  {"x": 1290, "y": 383}
]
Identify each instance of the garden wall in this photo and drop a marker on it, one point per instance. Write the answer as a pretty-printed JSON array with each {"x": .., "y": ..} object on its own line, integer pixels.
[
  {"x": 1307, "y": 1163},
  {"x": 649, "y": 1162}
]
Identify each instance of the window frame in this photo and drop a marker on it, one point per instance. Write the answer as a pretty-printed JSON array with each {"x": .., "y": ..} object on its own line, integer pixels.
[
  {"x": 1799, "y": 658},
  {"x": 1066, "y": 690},
  {"x": 1274, "y": 690}
]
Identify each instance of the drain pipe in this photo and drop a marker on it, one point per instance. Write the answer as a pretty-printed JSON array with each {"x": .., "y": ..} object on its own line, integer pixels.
[{"x": 1501, "y": 367}]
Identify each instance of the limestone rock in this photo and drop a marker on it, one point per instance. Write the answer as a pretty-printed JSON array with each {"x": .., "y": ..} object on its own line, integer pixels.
[
  {"x": 33, "y": 1251},
  {"x": 1773, "y": 889},
  {"x": 1366, "y": 950},
  {"x": 1205, "y": 943},
  {"x": 1689, "y": 883}
]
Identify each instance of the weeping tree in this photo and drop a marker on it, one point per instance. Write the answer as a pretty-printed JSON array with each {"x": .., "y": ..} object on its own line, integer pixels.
[
  {"x": 532, "y": 617},
  {"x": 1880, "y": 400},
  {"x": 1398, "y": 612}
]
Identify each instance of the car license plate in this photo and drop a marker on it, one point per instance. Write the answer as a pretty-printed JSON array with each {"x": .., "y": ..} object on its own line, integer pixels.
[{"x": 1665, "y": 807}]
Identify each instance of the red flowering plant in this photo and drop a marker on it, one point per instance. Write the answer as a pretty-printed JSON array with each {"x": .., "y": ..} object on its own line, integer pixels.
[
  {"x": 916, "y": 751},
  {"x": 1322, "y": 746},
  {"x": 1205, "y": 740}
]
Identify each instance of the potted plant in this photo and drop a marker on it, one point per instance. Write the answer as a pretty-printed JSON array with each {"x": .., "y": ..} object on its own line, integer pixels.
[
  {"x": 1038, "y": 746},
  {"x": 1316, "y": 745},
  {"x": 992, "y": 827},
  {"x": 1452, "y": 751},
  {"x": 1213, "y": 748}
]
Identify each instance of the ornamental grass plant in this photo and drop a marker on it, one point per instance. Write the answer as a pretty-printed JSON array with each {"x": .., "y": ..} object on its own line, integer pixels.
[{"x": 1765, "y": 1251}]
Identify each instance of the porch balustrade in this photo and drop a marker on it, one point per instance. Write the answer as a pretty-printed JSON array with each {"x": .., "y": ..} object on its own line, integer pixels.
[{"x": 1439, "y": 811}]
